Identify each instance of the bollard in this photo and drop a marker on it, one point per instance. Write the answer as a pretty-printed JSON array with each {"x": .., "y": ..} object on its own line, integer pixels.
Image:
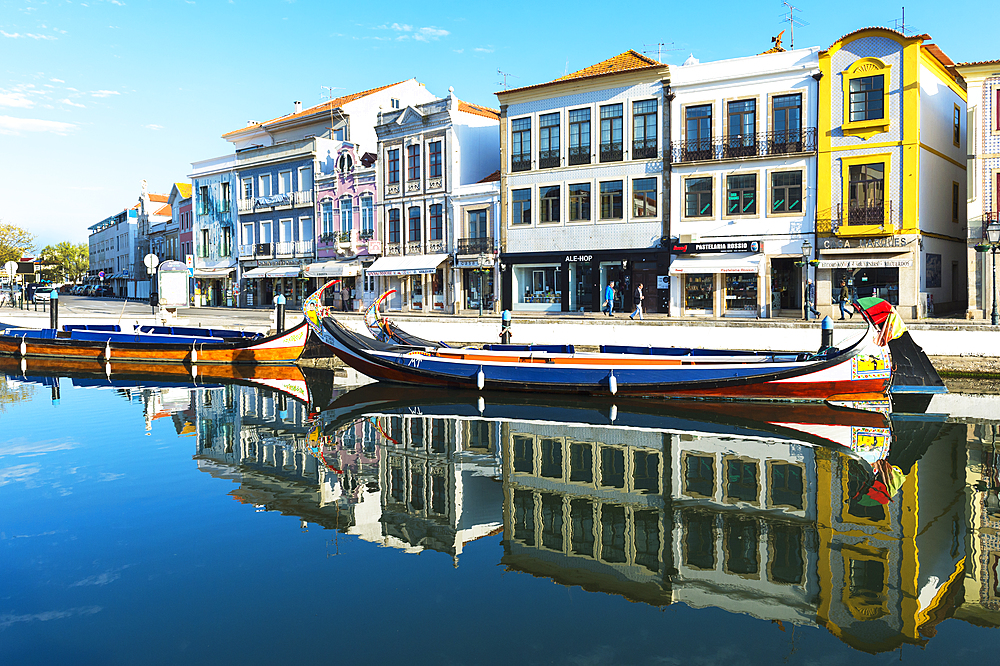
[
  {"x": 827, "y": 333},
  {"x": 55, "y": 392},
  {"x": 279, "y": 313},
  {"x": 54, "y": 310},
  {"x": 282, "y": 407},
  {"x": 505, "y": 327}
]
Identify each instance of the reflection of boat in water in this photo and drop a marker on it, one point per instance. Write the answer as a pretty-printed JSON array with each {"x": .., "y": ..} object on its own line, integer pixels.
[{"x": 863, "y": 367}]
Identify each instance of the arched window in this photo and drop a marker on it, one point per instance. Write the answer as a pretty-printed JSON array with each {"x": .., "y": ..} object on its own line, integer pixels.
[
  {"x": 345, "y": 163},
  {"x": 437, "y": 221}
]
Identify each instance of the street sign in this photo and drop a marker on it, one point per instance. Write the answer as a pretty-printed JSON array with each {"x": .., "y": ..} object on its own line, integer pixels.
[
  {"x": 151, "y": 261},
  {"x": 189, "y": 260},
  {"x": 11, "y": 268},
  {"x": 101, "y": 275}
]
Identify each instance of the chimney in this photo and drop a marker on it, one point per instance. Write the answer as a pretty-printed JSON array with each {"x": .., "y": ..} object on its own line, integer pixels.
[{"x": 298, "y": 107}]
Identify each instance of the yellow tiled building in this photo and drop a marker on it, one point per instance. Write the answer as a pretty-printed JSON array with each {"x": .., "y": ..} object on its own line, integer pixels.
[{"x": 891, "y": 173}]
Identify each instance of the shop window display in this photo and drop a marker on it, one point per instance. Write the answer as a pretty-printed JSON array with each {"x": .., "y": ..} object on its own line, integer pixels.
[
  {"x": 741, "y": 294},
  {"x": 699, "y": 292}
]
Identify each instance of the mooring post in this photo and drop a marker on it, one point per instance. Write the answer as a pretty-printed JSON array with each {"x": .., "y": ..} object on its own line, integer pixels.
[
  {"x": 279, "y": 313},
  {"x": 54, "y": 309},
  {"x": 827, "y": 333},
  {"x": 505, "y": 327}
]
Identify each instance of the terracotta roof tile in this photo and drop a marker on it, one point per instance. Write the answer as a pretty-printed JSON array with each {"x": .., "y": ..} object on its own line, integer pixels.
[
  {"x": 882, "y": 27},
  {"x": 981, "y": 62},
  {"x": 164, "y": 210},
  {"x": 492, "y": 178},
  {"x": 159, "y": 198},
  {"x": 475, "y": 109},
  {"x": 628, "y": 61},
  {"x": 324, "y": 107}
]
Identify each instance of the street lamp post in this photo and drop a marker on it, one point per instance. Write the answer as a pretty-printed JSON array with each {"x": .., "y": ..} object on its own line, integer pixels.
[
  {"x": 806, "y": 255},
  {"x": 993, "y": 236}
]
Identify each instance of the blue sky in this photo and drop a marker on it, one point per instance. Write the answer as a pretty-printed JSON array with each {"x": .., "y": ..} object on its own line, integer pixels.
[{"x": 97, "y": 95}]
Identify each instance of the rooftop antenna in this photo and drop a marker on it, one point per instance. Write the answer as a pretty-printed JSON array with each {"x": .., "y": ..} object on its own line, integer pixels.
[
  {"x": 329, "y": 96},
  {"x": 900, "y": 24},
  {"x": 792, "y": 22},
  {"x": 659, "y": 49},
  {"x": 505, "y": 75}
]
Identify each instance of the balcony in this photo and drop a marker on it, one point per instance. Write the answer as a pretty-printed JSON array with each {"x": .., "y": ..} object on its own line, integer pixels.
[
  {"x": 579, "y": 154},
  {"x": 548, "y": 159},
  {"x": 475, "y": 245},
  {"x": 328, "y": 238},
  {"x": 643, "y": 149},
  {"x": 303, "y": 248},
  {"x": 392, "y": 249},
  {"x": 303, "y": 198},
  {"x": 611, "y": 152},
  {"x": 367, "y": 234},
  {"x": 866, "y": 215},
  {"x": 520, "y": 162},
  {"x": 744, "y": 146},
  {"x": 344, "y": 236},
  {"x": 284, "y": 249},
  {"x": 262, "y": 250},
  {"x": 414, "y": 247}
]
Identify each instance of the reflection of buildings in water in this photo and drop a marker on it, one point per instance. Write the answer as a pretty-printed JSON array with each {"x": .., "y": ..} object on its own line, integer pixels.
[
  {"x": 982, "y": 581},
  {"x": 410, "y": 482},
  {"x": 770, "y": 528},
  {"x": 12, "y": 390}
]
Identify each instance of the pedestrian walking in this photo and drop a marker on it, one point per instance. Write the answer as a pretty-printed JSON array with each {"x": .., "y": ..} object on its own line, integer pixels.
[
  {"x": 845, "y": 299},
  {"x": 811, "y": 299},
  {"x": 637, "y": 297},
  {"x": 609, "y": 299}
]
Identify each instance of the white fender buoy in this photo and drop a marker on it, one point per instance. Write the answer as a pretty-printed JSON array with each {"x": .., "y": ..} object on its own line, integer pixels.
[
  {"x": 481, "y": 405},
  {"x": 614, "y": 413},
  {"x": 613, "y": 383},
  {"x": 107, "y": 350},
  {"x": 480, "y": 378},
  {"x": 24, "y": 366},
  {"x": 23, "y": 347},
  {"x": 107, "y": 369},
  {"x": 194, "y": 372},
  {"x": 194, "y": 354}
]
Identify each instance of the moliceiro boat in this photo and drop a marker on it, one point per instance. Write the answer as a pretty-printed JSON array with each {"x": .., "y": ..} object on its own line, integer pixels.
[
  {"x": 864, "y": 367},
  {"x": 154, "y": 344}
]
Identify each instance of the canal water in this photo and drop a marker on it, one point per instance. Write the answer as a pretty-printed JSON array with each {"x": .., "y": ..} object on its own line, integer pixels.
[{"x": 169, "y": 521}]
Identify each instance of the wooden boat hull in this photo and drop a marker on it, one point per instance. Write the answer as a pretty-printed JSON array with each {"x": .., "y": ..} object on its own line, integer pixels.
[
  {"x": 864, "y": 368},
  {"x": 285, "y": 347}
]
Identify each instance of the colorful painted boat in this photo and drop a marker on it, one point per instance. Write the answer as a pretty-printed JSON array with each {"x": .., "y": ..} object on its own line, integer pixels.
[
  {"x": 863, "y": 368},
  {"x": 154, "y": 345}
]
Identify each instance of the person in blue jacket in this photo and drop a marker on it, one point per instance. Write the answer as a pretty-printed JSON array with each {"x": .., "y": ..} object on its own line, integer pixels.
[{"x": 609, "y": 299}]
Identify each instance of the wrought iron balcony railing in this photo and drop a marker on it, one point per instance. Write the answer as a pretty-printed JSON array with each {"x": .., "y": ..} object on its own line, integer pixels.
[
  {"x": 643, "y": 148},
  {"x": 579, "y": 154},
  {"x": 520, "y": 162},
  {"x": 329, "y": 238},
  {"x": 367, "y": 234},
  {"x": 871, "y": 214},
  {"x": 548, "y": 159},
  {"x": 246, "y": 250},
  {"x": 611, "y": 152},
  {"x": 744, "y": 146},
  {"x": 475, "y": 245},
  {"x": 344, "y": 236}
]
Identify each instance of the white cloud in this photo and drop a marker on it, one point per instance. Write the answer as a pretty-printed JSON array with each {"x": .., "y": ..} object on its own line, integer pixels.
[
  {"x": 10, "y": 619},
  {"x": 18, "y": 99},
  {"x": 483, "y": 49},
  {"x": 72, "y": 103},
  {"x": 18, "y": 472},
  {"x": 430, "y": 33},
  {"x": 21, "y": 446},
  {"x": 153, "y": 127},
  {"x": 17, "y": 35},
  {"x": 73, "y": 89},
  {"x": 103, "y": 93},
  {"x": 57, "y": 81},
  {"x": 116, "y": 2},
  {"x": 407, "y": 31},
  {"x": 11, "y": 125}
]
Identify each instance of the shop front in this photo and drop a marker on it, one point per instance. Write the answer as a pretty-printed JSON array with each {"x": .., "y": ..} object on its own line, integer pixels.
[
  {"x": 261, "y": 284},
  {"x": 879, "y": 266},
  {"x": 419, "y": 281},
  {"x": 477, "y": 282},
  {"x": 564, "y": 282},
  {"x": 214, "y": 287},
  {"x": 718, "y": 285},
  {"x": 344, "y": 294}
]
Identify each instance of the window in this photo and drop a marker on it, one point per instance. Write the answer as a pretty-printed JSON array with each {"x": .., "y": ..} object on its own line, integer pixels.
[
  {"x": 644, "y": 197},
  {"x": 434, "y": 150},
  {"x": 865, "y": 193},
  {"x": 611, "y": 133},
  {"x": 741, "y": 194},
  {"x": 579, "y": 202},
  {"x": 698, "y": 197},
  {"x": 393, "y": 173},
  {"x": 305, "y": 229},
  {"x": 224, "y": 197},
  {"x": 741, "y": 481},
  {"x": 203, "y": 200},
  {"x": 284, "y": 182},
  {"x": 326, "y": 213},
  {"x": 954, "y": 202},
  {"x": 394, "y": 225},
  {"x": 346, "y": 215},
  {"x": 265, "y": 232},
  {"x": 786, "y": 118},
  {"x": 413, "y": 162},
  {"x": 957, "y": 126},
  {"x": 248, "y": 188},
  {"x": 478, "y": 224},
  {"x": 548, "y": 200},
  {"x": 265, "y": 185},
  {"x": 786, "y": 192},
  {"x": 866, "y": 98},
  {"x": 699, "y": 476},
  {"x": 345, "y": 163},
  {"x": 305, "y": 179},
  {"x": 741, "y": 137},
  {"x": 285, "y": 231},
  {"x": 414, "y": 234},
  {"x": 548, "y": 141},
  {"x": 698, "y": 132},
  {"x": 521, "y": 206},
  {"x": 612, "y": 199},
  {"x": 394, "y": 103},
  {"x": 786, "y": 485},
  {"x": 579, "y": 136},
  {"x": 225, "y": 242},
  {"x": 437, "y": 221},
  {"x": 367, "y": 215},
  {"x": 644, "y": 129},
  {"x": 206, "y": 240},
  {"x": 520, "y": 144}
]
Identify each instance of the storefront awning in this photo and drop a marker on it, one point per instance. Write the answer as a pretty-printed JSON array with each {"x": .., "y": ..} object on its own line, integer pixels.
[
  {"x": 272, "y": 272},
  {"x": 418, "y": 264},
  {"x": 213, "y": 272},
  {"x": 880, "y": 262},
  {"x": 327, "y": 269},
  {"x": 727, "y": 263}
]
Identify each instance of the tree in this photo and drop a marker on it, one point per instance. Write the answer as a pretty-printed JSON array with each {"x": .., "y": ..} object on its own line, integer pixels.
[
  {"x": 14, "y": 242},
  {"x": 67, "y": 261}
]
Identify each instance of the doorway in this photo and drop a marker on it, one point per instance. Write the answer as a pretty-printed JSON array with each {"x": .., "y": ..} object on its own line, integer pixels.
[{"x": 786, "y": 287}]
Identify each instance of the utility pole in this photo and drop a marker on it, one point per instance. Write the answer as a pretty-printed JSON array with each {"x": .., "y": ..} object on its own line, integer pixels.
[
  {"x": 659, "y": 49},
  {"x": 792, "y": 22},
  {"x": 328, "y": 95}
]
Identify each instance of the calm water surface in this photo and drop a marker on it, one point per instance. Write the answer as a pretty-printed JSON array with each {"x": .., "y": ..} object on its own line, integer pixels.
[{"x": 157, "y": 522}]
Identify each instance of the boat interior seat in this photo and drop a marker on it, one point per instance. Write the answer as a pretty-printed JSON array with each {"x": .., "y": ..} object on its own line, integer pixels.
[
  {"x": 549, "y": 349},
  {"x": 195, "y": 332},
  {"x": 146, "y": 338},
  {"x": 34, "y": 333},
  {"x": 113, "y": 328}
]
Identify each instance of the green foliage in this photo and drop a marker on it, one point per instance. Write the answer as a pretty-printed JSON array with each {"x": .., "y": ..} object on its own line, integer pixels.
[
  {"x": 15, "y": 242},
  {"x": 65, "y": 261}
]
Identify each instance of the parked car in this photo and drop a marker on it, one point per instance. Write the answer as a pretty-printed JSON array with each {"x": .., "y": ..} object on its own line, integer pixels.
[
  {"x": 104, "y": 291},
  {"x": 42, "y": 293}
]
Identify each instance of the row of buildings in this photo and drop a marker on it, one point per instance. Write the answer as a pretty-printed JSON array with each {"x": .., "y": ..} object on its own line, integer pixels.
[{"x": 722, "y": 187}]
